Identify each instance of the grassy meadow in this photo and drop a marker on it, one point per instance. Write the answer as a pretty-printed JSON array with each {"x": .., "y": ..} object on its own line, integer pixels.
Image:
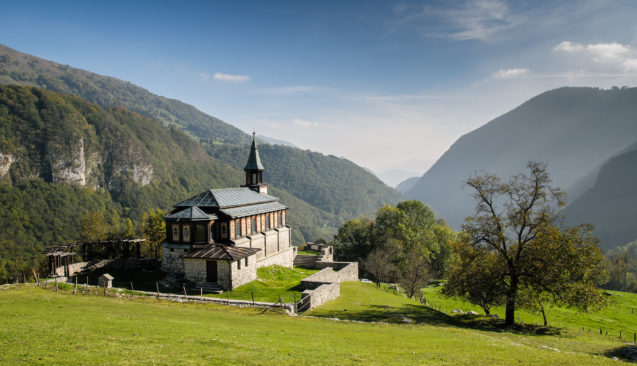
[
  {"x": 39, "y": 326},
  {"x": 271, "y": 282}
]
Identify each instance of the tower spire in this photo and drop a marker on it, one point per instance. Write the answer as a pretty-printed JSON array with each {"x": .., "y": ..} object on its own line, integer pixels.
[{"x": 254, "y": 168}]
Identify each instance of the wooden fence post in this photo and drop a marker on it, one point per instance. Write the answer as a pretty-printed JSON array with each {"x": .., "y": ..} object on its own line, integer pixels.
[
  {"x": 201, "y": 293},
  {"x": 104, "y": 290},
  {"x": 75, "y": 287},
  {"x": 228, "y": 292},
  {"x": 86, "y": 286},
  {"x": 294, "y": 308},
  {"x": 35, "y": 275},
  {"x": 185, "y": 293},
  {"x": 252, "y": 294},
  {"x": 157, "y": 287},
  {"x": 132, "y": 291},
  {"x": 56, "y": 284}
]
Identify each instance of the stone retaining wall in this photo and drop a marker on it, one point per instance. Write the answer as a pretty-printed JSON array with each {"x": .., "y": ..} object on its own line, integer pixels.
[
  {"x": 284, "y": 258},
  {"x": 325, "y": 285}
]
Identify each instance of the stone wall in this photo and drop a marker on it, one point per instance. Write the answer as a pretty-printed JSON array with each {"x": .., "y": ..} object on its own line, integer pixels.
[
  {"x": 195, "y": 269},
  {"x": 283, "y": 258},
  {"x": 245, "y": 274},
  {"x": 345, "y": 271},
  {"x": 325, "y": 285},
  {"x": 172, "y": 259},
  {"x": 319, "y": 296}
]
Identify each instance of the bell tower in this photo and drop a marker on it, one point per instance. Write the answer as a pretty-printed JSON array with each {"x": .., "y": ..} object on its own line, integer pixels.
[{"x": 254, "y": 169}]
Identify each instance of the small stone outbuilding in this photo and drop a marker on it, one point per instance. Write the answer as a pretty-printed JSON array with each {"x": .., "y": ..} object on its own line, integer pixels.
[{"x": 105, "y": 280}]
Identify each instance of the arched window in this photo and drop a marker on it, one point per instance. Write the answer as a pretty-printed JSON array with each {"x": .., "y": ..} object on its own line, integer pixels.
[
  {"x": 175, "y": 232},
  {"x": 186, "y": 233}
]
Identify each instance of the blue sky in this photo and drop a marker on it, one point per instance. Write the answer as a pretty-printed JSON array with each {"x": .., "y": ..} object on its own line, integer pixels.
[{"x": 387, "y": 84}]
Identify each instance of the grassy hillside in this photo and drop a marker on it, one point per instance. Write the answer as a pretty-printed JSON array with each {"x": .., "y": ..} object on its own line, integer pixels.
[
  {"x": 572, "y": 129},
  {"x": 40, "y": 326}
]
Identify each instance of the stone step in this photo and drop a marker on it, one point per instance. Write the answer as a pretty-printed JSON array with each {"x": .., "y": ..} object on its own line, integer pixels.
[{"x": 209, "y": 287}]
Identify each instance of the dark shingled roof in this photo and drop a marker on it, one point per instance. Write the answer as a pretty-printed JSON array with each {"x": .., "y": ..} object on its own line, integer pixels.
[
  {"x": 244, "y": 211},
  {"x": 192, "y": 213},
  {"x": 254, "y": 162},
  {"x": 222, "y": 252},
  {"x": 227, "y": 198}
]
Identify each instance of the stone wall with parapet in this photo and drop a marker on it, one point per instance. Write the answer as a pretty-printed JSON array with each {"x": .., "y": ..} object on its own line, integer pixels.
[
  {"x": 319, "y": 296},
  {"x": 345, "y": 271},
  {"x": 325, "y": 285}
]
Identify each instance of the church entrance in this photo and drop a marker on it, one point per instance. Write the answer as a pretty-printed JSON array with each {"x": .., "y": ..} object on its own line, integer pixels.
[{"x": 211, "y": 271}]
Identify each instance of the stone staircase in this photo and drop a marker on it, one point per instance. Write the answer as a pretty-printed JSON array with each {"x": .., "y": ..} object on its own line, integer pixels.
[
  {"x": 210, "y": 287},
  {"x": 305, "y": 261}
]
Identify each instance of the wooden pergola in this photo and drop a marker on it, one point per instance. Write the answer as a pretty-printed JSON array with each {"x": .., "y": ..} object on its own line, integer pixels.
[{"x": 63, "y": 255}]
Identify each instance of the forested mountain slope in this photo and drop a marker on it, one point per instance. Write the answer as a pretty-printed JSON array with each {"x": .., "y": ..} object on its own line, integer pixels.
[
  {"x": 332, "y": 184},
  {"x": 61, "y": 157},
  {"x": 611, "y": 203},
  {"x": 22, "y": 69},
  {"x": 571, "y": 129},
  {"x": 341, "y": 189}
]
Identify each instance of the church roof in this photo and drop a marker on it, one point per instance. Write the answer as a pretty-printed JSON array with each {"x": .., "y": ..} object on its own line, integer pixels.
[
  {"x": 243, "y": 211},
  {"x": 192, "y": 213},
  {"x": 227, "y": 198},
  {"x": 254, "y": 162},
  {"x": 223, "y": 252}
]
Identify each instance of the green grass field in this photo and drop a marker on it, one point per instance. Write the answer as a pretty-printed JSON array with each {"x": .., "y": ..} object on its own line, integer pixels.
[
  {"x": 271, "y": 282},
  {"x": 39, "y": 326}
]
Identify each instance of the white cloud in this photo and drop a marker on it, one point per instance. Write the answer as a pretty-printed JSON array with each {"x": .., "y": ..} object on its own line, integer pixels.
[
  {"x": 509, "y": 73},
  {"x": 231, "y": 78},
  {"x": 203, "y": 76},
  {"x": 608, "y": 54},
  {"x": 293, "y": 89},
  {"x": 304, "y": 123}
]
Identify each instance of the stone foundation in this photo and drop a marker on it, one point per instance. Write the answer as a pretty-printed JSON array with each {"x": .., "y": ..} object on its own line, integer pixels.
[
  {"x": 229, "y": 275},
  {"x": 172, "y": 258}
]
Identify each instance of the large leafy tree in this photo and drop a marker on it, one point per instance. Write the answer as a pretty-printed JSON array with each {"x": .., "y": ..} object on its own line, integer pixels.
[
  {"x": 403, "y": 242},
  {"x": 515, "y": 222},
  {"x": 154, "y": 228}
]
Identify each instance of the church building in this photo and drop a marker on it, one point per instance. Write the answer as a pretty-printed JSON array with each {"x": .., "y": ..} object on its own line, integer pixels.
[{"x": 218, "y": 238}]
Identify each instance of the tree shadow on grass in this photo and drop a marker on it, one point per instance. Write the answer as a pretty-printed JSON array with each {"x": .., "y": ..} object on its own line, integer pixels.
[
  {"x": 624, "y": 353},
  {"x": 420, "y": 314}
]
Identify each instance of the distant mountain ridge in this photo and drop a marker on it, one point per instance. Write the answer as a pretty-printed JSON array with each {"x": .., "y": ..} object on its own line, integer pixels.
[
  {"x": 574, "y": 130},
  {"x": 23, "y": 69},
  {"x": 611, "y": 202}
]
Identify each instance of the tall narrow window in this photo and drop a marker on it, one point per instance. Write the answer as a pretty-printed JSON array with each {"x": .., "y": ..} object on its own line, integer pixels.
[
  {"x": 175, "y": 232},
  {"x": 280, "y": 223},
  {"x": 186, "y": 233},
  {"x": 224, "y": 230},
  {"x": 267, "y": 221},
  {"x": 239, "y": 264},
  {"x": 254, "y": 224},
  {"x": 254, "y": 178},
  {"x": 237, "y": 229}
]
